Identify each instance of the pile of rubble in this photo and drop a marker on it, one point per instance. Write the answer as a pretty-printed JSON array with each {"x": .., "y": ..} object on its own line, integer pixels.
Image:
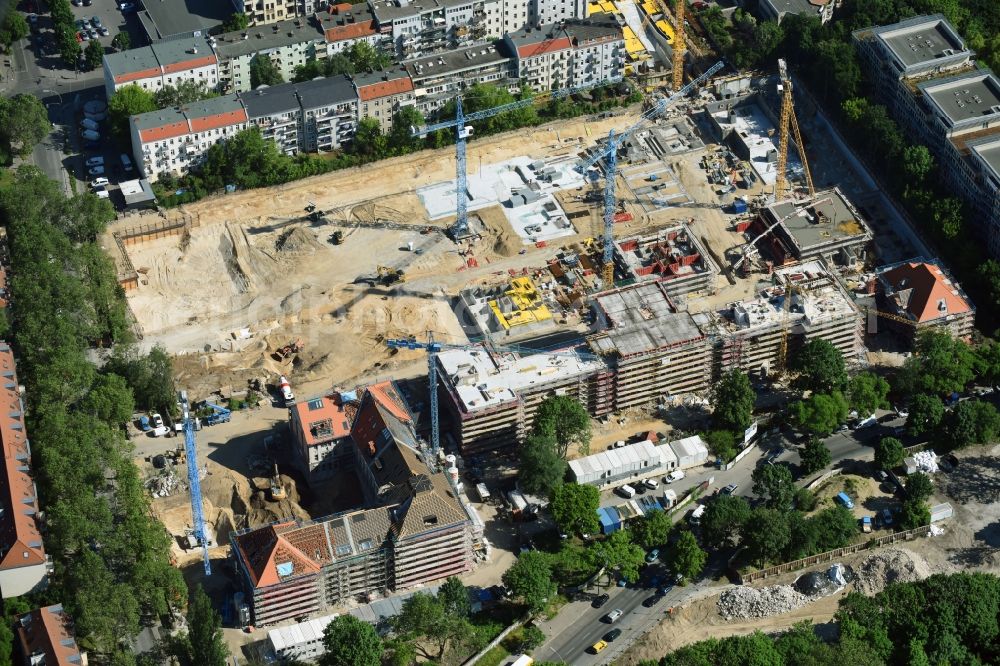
[
  {"x": 888, "y": 566},
  {"x": 164, "y": 485},
  {"x": 746, "y": 603},
  {"x": 926, "y": 461}
]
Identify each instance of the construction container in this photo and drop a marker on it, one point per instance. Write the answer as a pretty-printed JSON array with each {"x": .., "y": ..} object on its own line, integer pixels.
[
  {"x": 739, "y": 205},
  {"x": 941, "y": 511},
  {"x": 609, "y": 519}
]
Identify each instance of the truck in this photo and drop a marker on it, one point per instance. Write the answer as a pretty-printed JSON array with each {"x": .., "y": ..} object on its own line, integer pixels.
[
  {"x": 484, "y": 493},
  {"x": 219, "y": 414},
  {"x": 286, "y": 390}
]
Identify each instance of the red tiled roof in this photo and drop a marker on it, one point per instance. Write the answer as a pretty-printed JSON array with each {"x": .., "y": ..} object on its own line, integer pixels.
[
  {"x": 49, "y": 631},
  {"x": 350, "y": 31},
  {"x": 385, "y": 88},
  {"x": 338, "y": 8},
  {"x": 338, "y": 413},
  {"x": 168, "y": 131},
  {"x": 385, "y": 394},
  {"x": 20, "y": 540},
  {"x": 194, "y": 63},
  {"x": 543, "y": 47},
  {"x": 928, "y": 288},
  {"x": 264, "y": 550},
  {"x": 136, "y": 76},
  {"x": 218, "y": 120}
]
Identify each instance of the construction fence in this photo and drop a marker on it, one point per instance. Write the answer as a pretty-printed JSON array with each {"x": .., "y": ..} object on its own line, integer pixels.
[
  {"x": 146, "y": 231},
  {"x": 751, "y": 576}
]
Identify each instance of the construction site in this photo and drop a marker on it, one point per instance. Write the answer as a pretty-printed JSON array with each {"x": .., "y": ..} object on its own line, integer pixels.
[{"x": 627, "y": 271}]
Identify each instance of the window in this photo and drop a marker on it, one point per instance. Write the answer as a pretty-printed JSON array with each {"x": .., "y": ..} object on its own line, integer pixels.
[
  {"x": 315, "y": 404},
  {"x": 343, "y": 549}
]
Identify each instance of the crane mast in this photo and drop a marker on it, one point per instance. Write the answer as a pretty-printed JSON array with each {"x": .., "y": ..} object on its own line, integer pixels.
[{"x": 786, "y": 122}]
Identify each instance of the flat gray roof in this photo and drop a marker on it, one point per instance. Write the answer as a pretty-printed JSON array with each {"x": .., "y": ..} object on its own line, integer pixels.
[
  {"x": 210, "y": 107},
  {"x": 332, "y": 90},
  {"x": 830, "y": 218},
  {"x": 160, "y": 118},
  {"x": 793, "y": 6},
  {"x": 988, "y": 151},
  {"x": 455, "y": 61},
  {"x": 921, "y": 39},
  {"x": 180, "y": 17},
  {"x": 963, "y": 98},
  {"x": 270, "y": 100},
  {"x": 641, "y": 318},
  {"x": 389, "y": 10},
  {"x": 182, "y": 49},
  {"x": 267, "y": 37},
  {"x": 132, "y": 60}
]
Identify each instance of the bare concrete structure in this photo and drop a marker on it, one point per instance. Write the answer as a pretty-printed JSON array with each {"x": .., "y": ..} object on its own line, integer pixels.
[
  {"x": 673, "y": 256},
  {"x": 654, "y": 350},
  {"x": 804, "y": 303}
]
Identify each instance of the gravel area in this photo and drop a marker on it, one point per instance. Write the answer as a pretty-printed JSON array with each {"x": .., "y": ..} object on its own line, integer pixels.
[{"x": 888, "y": 566}]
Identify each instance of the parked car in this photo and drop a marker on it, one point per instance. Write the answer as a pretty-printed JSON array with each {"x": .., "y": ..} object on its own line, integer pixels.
[
  {"x": 87, "y": 3},
  {"x": 886, "y": 517},
  {"x": 649, "y": 602},
  {"x": 881, "y": 476},
  {"x": 613, "y": 616},
  {"x": 612, "y": 635},
  {"x": 675, "y": 475},
  {"x": 844, "y": 500},
  {"x": 126, "y": 7},
  {"x": 650, "y": 483},
  {"x": 104, "y": 31},
  {"x": 599, "y": 601},
  {"x": 83, "y": 35},
  {"x": 95, "y": 21},
  {"x": 102, "y": 192},
  {"x": 156, "y": 419},
  {"x": 97, "y": 160},
  {"x": 96, "y": 171},
  {"x": 653, "y": 555},
  {"x": 626, "y": 491},
  {"x": 98, "y": 182},
  {"x": 866, "y": 524},
  {"x": 730, "y": 489},
  {"x": 598, "y": 646}
]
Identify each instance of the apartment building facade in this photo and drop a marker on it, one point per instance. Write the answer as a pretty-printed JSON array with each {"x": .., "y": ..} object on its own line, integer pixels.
[
  {"x": 429, "y": 26},
  {"x": 942, "y": 97},
  {"x": 920, "y": 294},
  {"x": 571, "y": 53},
  {"x": 381, "y": 95},
  {"x": 261, "y": 12},
  {"x": 413, "y": 530},
  {"x": 438, "y": 78},
  {"x": 166, "y": 63}
]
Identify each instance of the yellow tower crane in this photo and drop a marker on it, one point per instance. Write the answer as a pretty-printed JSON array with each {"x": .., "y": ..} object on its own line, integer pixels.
[
  {"x": 788, "y": 118},
  {"x": 679, "y": 46}
]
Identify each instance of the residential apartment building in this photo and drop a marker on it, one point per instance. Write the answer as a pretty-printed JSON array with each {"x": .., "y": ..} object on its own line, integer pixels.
[
  {"x": 260, "y": 12},
  {"x": 438, "y": 78},
  {"x": 571, "y": 53},
  {"x": 288, "y": 44},
  {"x": 45, "y": 638},
  {"x": 166, "y": 63},
  {"x": 777, "y": 9},
  {"x": 429, "y": 26},
  {"x": 382, "y": 94},
  {"x": 321, "y": 434},
  {"x": 174, "y": 140},
  {"x": 416, "y": 529},
  {"x": 920, "y": 294},
  {"x": 344, "y": 25},
  {"x": 24, "y": 565},
  {"x": 329, "y": 113},
  {"x": 932, "y": 85}
]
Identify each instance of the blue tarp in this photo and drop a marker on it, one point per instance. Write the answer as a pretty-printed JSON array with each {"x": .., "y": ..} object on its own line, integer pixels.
[{"x": 610, "y": 522}]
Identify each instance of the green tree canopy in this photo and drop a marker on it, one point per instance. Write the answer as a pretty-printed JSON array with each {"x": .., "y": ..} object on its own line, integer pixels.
[
  {"x": 366, "y": 58},
  {"x": 574, "y": 508},
  {"x": 126, "y": 102},
  {"x": 183, "y": 92},
  {"x": 774, "y": 483},
  {"x": 868, "y": 392},
  {"x": 401, "y": 135},
  {"x": 820, "y": 367},
  {"x": 426, "y": 621},
  {"x": 204, "y": 644},
  {"x": 454, "y": 596},
  {"x": 815, "y": 455},
  {"x": 110, "y": 399},
  {"x": 121, "y": 41},
  {"x": 542, "y": 468},
  {"x": 914, "y": 514},
  {"x": 13, "y": 29},
  {"x": 564, "y": 418},
  {"x": 236, "y": 21},
  {"x": 766, "y": 534},
  {"x": 940, "y": 365},
  {"x": 263, "y": 72},
  {"x": 919, "y": 487},
  {"x": 618, "y": 553},
  {"x": 722, "y": 444},
  {"x": 93, "y": 54},
  {"x": 530, "y": 579},
  {"x": 351, "y": 642},
  {"x": 971, "y": 422},
  {"x": 724, "y": 519},
  {"x": 651, "y": 530},
  {"x": 369, "y": 140},
  {"x": 925, "y": 414},
  {"x": 820, "y": 413},
  {"x": 685, "y": 557},
  {"x": 25, "y": 122},
  {"x": 732, "y": 402},
  {"x": 917, "y": 163},
  {"x": 888, "y": 453}
]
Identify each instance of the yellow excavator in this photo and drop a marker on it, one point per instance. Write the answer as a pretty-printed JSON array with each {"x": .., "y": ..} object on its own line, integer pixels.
[{"x": 389, "y": 276}]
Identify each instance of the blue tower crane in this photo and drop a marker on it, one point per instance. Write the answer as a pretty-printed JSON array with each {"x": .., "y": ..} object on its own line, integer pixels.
[
  {"x": 609, "y": 153},
  {"x": 432, "y": 347},
  {"x": 191, "y": 452},
  {"x": 462, "y": 133}
]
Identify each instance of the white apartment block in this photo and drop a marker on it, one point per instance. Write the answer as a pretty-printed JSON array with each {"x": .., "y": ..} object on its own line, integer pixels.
[
  {"x": 428, "y": 26},
  {"x": 572, "y": 53},
  {"x": 261, "y": 12},
  {"x": 544, "y": 12},
  {"x": 165, "y": 63},
  {"x": 288, "y": 45},
  {"x": 438, "y": 78}
]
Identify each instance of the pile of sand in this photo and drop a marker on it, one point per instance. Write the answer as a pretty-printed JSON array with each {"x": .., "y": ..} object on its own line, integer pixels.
[{"x": 297, "y": 241}]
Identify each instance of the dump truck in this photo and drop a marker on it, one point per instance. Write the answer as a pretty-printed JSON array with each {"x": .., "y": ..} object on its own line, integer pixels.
[{"x": 219, "y": 414}]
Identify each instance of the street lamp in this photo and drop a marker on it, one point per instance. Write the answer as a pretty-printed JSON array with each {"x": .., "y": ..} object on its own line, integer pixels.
[{"x": 56, "y": 93}]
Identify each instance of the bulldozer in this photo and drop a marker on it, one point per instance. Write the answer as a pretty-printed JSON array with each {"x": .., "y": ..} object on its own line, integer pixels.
[
  {"x": 389, "y": 276},
  {"x": 282, "y": 354}
]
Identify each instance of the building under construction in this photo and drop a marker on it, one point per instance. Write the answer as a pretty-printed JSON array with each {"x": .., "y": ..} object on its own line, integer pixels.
[
  {"x": 517, "y": 309},
  {"x": 673, "y": 256},
  {"x": 492, "y": 396},
  {"x": 652, "y": 349},
  {"x": 804, "y": 302},
  {"x": 825, "y": 226}
]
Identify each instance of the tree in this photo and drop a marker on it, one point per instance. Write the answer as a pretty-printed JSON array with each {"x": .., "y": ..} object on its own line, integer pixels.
[
  {"x": 820, "y": 366},
  {"x": 121, "y": 41},
  {"x": 919, "y": 487},
  {"x": 940, "y": 365},
  {"x": 917, "y": 163},
  {"x": 369, "y": 140},
  {"x": 263, "y": 72},
  {"x": 366, "y": 58},
  {"x": 204, "y": 644},
  {"x": 574, "y": 508},
  {"x": 110, "y": 399},
  {"x": 618, "y": 553},
  {"x": 237, "y": 21},
  {"x": 732, "y": 402},
  {"x": 401, "y": 136},
  {"x": 651, "y": 530},
  {"x": 128, "y": 101},
  {"x": 565, "y": 419},
  {"x": 805, "y": 499},
  {"x": 868, "y": 392},
  {"x": 183, "y": 93},
  {"x": 351, "y": 642},
  {"x": 94, "y": 54},
  {"x": 820, "y": 414},
  {"x": 971, "y": 422},
  {"x": 69, "y": 48},
  {"x": 425, "y": 619},
  {"x": 925, "y": 414},
  {"x": 888, "y": 453},
  {"x": 542, "y": 468},
  {"x": 815, "y": 455},
  {"x": 454, "y": 597},
  {"x": 25, "y": 122},
  {"x": 914, "y": 515},
  {"x": 724, "y": 520},
  {"x": 766, "y": 535},
  {"x": 13, "y": 29},
  {"x": 721, "y": 444},
  {"x": 530, "y": 580},
  {"x": 774, "y": 483},
  {"x": 685, "y": 557}
]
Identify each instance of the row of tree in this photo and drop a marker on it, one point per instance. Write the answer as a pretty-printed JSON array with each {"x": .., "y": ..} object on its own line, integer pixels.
[
  {"x": 112, "y": 559},
  {"x": 940, "y": 620}
]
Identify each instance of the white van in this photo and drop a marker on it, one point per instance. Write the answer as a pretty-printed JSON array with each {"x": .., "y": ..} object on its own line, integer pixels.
[
  {"x": 626, "y": 491},
  {"x": 696, "y": 515},
  {"x": 126, "y": 162},
  {"x": 675, "y": 475}
]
